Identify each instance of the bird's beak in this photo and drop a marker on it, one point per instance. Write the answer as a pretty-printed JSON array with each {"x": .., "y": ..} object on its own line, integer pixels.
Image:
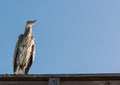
[
  {"x": 34, "y": 21},
  {"x": 31, "y": 23}
]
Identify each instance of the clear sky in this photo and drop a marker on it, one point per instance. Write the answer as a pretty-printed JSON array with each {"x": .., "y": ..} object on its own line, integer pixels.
[{"x": 72, "y": 36}]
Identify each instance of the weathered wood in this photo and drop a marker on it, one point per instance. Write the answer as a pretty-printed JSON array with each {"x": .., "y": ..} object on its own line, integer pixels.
[
  {"x": 60, "y": 83},
  {"x": 24, "y": 83},
  {"x": 60, "y": 79},
  {"x": 53, "y": 81}
]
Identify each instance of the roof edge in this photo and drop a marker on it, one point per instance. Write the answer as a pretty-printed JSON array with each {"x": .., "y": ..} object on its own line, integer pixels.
[{"x": 63, "y": 77}]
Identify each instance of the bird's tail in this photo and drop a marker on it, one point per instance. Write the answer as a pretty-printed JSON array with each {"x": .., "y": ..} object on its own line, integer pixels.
[{"x": 19, "y": 70}]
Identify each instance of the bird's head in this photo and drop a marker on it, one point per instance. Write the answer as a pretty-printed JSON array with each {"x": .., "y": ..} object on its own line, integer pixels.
[{"x": 30, "y": 23}]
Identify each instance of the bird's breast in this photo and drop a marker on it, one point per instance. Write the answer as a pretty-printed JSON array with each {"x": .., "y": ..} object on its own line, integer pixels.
[{"x": 27, "y": 41}]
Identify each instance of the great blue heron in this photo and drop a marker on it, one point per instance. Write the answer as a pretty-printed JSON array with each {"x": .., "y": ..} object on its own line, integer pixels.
[{"x": 24, "y": 51}]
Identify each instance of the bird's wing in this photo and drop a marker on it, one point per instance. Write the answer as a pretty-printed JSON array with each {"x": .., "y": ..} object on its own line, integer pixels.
[
  {"x": 31, "y": 59},
  {"x": 16, "y": 52}
]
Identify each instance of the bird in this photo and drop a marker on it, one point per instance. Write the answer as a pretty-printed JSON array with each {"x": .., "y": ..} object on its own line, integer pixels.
[{"x": 24, "y": 52}]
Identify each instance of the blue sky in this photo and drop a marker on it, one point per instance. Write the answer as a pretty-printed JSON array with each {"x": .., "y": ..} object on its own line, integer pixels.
[{"x": 72, "y": 36}]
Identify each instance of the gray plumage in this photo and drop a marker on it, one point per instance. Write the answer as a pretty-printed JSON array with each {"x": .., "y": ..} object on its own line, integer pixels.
[{"x": 24, "y": 51}]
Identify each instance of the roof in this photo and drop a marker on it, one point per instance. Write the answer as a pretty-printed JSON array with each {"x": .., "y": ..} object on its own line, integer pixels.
[{"x": 62, "y": 77}]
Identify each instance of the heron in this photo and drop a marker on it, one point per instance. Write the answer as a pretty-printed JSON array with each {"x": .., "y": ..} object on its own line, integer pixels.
[{"x": 24, "y": 52}]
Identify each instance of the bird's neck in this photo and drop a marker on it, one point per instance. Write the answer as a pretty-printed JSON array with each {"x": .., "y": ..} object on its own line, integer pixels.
[{"x": 28, "y": 31}]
